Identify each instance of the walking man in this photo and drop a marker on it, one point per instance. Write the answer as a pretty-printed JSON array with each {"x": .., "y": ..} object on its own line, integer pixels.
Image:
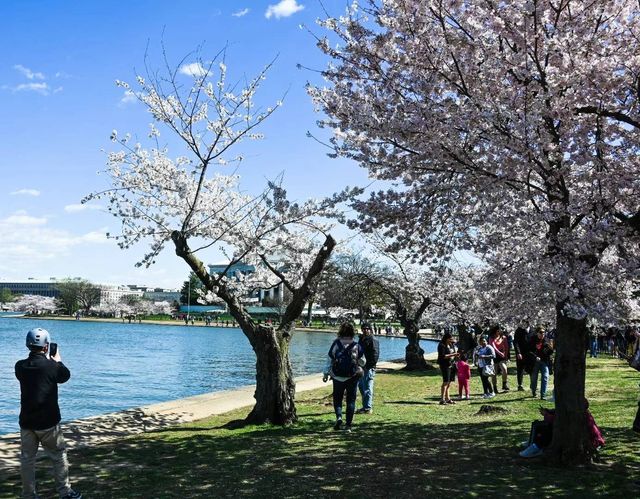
[
  {"x": 371, "y": 348},
  {"x": 39, "y": 376}
]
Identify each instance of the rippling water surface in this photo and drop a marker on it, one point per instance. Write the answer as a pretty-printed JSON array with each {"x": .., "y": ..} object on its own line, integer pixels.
[{"x": 117, "y": 366}]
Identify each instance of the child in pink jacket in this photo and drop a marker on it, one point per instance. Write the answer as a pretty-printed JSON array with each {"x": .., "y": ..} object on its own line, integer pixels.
[{"x": 464, "y": 373}]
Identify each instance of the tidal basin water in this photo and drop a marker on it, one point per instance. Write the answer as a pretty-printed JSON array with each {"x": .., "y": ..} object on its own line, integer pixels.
[{"x": 117, "y": 366}]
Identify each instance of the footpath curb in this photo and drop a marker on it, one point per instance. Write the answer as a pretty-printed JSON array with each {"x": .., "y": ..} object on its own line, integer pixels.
[{"x": 116, "y": 425}]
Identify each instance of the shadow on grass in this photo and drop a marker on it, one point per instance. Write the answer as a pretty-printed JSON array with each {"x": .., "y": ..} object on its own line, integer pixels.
[
  {"x": 435, "y": 400},
  {"x": 415, "y": 374},
  {"x": 309, "y": 459}
]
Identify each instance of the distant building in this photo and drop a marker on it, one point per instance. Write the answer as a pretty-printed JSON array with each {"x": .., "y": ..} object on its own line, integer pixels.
[
  {"x": 109, "y": 293},
  {"x": 113, "y": 294},
  {"x": 32, "y": 286},
  {"x": 272, "y": 295},
  {"x": 157, "y": 294}
]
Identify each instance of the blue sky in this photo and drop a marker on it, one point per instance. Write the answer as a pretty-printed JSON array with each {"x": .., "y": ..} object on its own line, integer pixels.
[{"x": 59, "y": 104}]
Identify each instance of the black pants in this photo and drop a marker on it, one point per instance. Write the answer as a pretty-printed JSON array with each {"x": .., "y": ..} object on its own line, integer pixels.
[
  {"x": 520, "y": 370},
  {"x": 339, "y": 387},
  {"x": 486, "y": 384},
  {"x": 636, "y": 422},
  {"x": 541, "y": 433}
]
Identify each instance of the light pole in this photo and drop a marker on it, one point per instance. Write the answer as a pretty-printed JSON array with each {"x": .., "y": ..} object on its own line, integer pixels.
[{"x": 189, "y": 301}]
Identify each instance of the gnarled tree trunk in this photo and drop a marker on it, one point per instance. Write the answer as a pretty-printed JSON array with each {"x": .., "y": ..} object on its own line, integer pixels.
[
  {"x": 414, "y": 354},
  {"x": 571, "y": 441},
  {"x": 275, "y": 386}
]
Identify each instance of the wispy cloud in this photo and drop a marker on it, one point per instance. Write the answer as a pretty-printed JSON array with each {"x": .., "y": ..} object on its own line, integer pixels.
[
  {"x": 75, "y": 208},
  {"x": 26, "y": 192},
  {"x": 22, "y": 218},
  {"x": 129, "y": 97},
  {"x": 240, "y": 13},
  {"x": 194, "y": 69},
  {"x": 27, "y": 238},
  {"x": 40, "y": 88},
  {"x": 285, "y": 8},
  {"x": 36, "y": 82},
  {"x": 31, "y": 75}
]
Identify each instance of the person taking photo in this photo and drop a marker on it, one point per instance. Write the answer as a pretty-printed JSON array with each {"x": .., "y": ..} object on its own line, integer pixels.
[{"x": 39, "y": 376}]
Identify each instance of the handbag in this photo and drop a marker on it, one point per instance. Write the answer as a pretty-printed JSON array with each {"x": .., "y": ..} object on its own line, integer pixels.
[{"x": 488, "y": 370}]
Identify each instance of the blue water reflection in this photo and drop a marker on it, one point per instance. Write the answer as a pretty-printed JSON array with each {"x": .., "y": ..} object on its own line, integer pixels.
[{"x": 116, "y": 366}]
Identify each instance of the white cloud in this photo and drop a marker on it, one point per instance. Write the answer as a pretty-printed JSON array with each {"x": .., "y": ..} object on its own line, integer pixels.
[
  {"x": 26, "y": 192},
  {"x": 75, "y": 208},
  {"x": 240, "y": 13},
  {"x": 194, "y": 69},
  {"x": 41, "y": 88},
  {"x": 285, "y": 8},
  {"x": 31, "y": 75},
  {"x": 129, "y": 97},
  {"x": 28, "y": 241},
  {"x": 94, "y": 237},
  {"x": 21, "y": 218}
]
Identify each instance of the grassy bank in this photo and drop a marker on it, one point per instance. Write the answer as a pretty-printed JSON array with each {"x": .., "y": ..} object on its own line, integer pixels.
[{"x": 410, "y": 447}]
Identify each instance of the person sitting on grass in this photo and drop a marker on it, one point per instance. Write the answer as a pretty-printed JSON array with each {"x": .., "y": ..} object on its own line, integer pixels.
[
  {"x": 446, "y": 357},
  {"x": 344, "y": 365},
  {"x": 542, "y": 432}
]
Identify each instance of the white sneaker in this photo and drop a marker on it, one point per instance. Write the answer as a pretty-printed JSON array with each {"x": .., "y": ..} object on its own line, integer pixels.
[
  {"x": 491, "y": 395},
  {"x": 532, "y": 451}
]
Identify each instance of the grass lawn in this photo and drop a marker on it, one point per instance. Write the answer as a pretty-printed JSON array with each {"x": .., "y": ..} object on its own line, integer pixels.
[{"x": 410, "y": 447}]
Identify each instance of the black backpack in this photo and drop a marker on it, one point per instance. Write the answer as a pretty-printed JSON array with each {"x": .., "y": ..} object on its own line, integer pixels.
[{"x": 345, "y": 363}]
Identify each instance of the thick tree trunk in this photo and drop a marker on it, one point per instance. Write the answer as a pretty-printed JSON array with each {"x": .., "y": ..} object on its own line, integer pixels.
[
  {"x": 571, "y": 442},
  {"x": 414, "y": 355},
  {"x": 275, "y": 386}
]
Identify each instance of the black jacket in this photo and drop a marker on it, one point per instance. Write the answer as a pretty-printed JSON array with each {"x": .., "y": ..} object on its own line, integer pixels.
[
  {"x": 520, "y": 343},
  {"x": 371, "y": 348},
  {"x": 39, "y": 378},
  {"x": 541, "y": 349}
]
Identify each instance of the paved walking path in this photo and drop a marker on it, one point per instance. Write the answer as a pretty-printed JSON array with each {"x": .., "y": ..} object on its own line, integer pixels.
[{"x": 116, "y": 425}]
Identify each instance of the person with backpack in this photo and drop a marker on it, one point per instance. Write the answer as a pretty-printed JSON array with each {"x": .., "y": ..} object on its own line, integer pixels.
[
  {"x": 344, "y": 365},
  {"x": 371, "y": 348}
]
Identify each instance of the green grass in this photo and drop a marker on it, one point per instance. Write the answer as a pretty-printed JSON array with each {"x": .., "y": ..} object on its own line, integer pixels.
[{"x": 410, "y": 447}]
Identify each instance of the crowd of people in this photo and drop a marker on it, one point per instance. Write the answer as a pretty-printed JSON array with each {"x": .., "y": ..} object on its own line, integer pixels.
[{"x": 490, "y": 352}]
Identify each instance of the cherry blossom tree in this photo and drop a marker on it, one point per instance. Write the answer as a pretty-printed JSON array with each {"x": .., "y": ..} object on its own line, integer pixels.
[
  {"x": 194, "y": 201},
  {"x": 408, "y": 289},
  {"x": 507, "y": 128},
  {"x": 348, "y": 284},
  {"x": 34, "y": 304}
]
